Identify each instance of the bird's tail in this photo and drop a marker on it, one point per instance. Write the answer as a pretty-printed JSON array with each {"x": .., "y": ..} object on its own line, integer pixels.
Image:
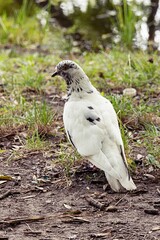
[
  {"x": 116, "y": 178},
  {"x": 116, "y": 185}
]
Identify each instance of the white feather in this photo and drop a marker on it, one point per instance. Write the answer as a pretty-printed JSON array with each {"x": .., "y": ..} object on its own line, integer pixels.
[{"x": 92, "y": 127}]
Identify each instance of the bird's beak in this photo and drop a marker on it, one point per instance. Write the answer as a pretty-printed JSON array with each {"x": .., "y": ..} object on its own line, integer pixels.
[{"x": 54, "y": 74}]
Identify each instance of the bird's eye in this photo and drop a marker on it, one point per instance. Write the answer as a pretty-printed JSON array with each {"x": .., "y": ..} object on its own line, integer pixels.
[{"x": 65, "y": 67}]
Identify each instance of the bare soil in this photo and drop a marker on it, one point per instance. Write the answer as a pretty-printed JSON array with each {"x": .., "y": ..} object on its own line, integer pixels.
[{"x": 40, "y": 202}]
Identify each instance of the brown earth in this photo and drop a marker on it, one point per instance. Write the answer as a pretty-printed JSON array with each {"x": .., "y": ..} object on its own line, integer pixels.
[{"x": 41, "y": 202}]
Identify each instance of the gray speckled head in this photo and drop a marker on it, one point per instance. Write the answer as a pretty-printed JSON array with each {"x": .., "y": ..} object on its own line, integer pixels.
[
  {"x": 66, "y": 65},
  {"x": 76, "y": 79},
  {"x": 67, "y": 69}
]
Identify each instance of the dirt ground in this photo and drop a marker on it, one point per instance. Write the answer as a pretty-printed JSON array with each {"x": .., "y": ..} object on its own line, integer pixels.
[{"x": 39, "y": 202}]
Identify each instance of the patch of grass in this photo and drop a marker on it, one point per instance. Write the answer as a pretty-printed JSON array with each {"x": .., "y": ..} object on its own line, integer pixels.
[
  {"x": 120, "y": 69},
  {"x": 152, "y": 140},
  {"x": 22, "y": 100},
  {"x": 35, "y": 142},
  {"x": 34, "y": 115},
  {"x": 31, "y": 79},
  {"x": 67, "y": 158},
  {"x": 123, "y": 106},
  {"x": 40, "y": 117}
]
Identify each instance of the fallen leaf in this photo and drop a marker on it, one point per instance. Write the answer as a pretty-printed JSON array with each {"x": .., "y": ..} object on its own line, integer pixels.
[{"x": 6, "y": 177}]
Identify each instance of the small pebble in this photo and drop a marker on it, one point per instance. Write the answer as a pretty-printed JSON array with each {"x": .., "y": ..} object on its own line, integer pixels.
[
  {"x": 131, "y": 92},
  {"x": 67, "y": 206},
  {"x": 149, "y": 176},
  {"x": 139, "y": 156},
  {"x": 49, "y": 201}
]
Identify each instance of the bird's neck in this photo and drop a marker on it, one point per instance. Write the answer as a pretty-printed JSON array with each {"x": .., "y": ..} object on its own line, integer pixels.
[{"x": 79, "y": 86}]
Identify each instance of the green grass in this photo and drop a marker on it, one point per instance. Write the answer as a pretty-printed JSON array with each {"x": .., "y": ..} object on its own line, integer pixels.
[
  {"x": 35, "y": 142},
  {"x": 39, "y": 117},
  {"x": 23, "y": 101},
  {"x": 67, "y": 159}
]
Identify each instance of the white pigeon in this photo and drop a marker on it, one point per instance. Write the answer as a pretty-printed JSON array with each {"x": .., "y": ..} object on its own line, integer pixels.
[{"x": 91, "y": 126}]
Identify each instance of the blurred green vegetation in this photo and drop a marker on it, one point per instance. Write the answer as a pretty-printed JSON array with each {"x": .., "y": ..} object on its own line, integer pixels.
[
  {"x": 13, "y": 18},
  {"x": 11, "y": 7},
  {"x": 103, "y": 24},
  {"x": 27, "y": 26}
]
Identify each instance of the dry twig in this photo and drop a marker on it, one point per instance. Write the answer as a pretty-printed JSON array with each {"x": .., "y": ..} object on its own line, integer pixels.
[
  {"x": 32, "y": 233},
  {"x": 71, "y": 219},
  {"x": 158, "y": 191},
  {"x": 95, "y": 203},
  {"x": 151, "y": 211},
  {"x": 17, "y": 221},
  {"x": 8, "y": 193},
  {"x": 116, "y": 204}
]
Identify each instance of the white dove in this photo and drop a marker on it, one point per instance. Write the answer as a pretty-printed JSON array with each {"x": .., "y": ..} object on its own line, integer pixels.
[{"x": 92, "y": 127}]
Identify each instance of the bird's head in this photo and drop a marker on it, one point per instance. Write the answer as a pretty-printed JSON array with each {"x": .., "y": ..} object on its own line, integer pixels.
[{"x": 69, "y": 70}]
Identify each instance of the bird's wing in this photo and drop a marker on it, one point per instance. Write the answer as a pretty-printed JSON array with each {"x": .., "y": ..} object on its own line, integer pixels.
[
  {"x": 112, "y": 146},
  {"x": 83, "y": 127}
]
